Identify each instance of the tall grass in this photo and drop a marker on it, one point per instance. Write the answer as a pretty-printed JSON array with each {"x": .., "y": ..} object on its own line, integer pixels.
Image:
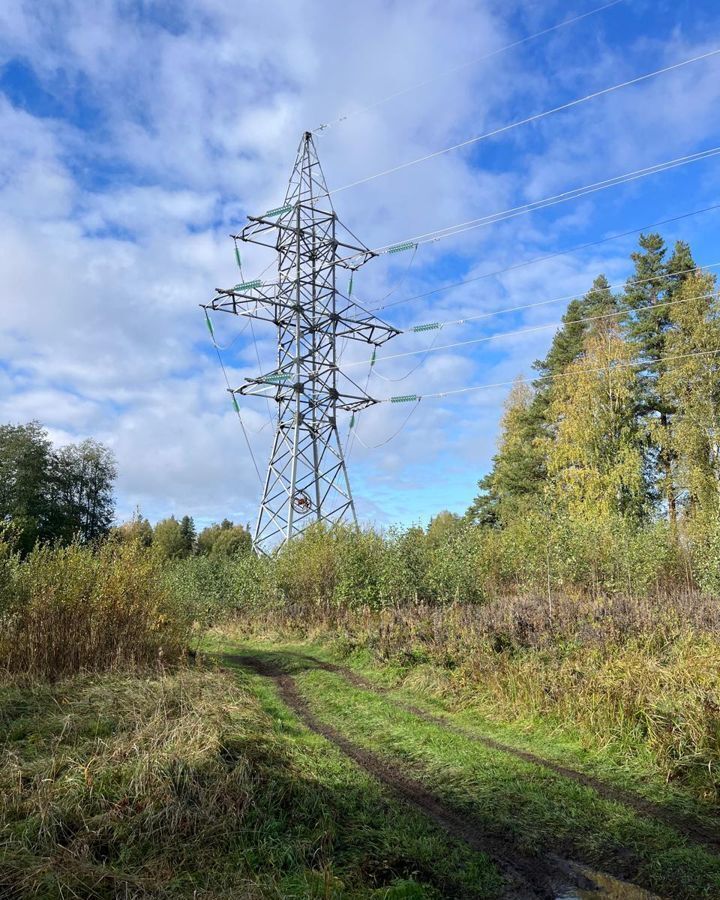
[{"x": 68, "y": 609}]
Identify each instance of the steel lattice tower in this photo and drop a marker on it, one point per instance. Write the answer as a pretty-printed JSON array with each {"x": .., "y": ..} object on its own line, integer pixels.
[{"x": 307, "y": 479}]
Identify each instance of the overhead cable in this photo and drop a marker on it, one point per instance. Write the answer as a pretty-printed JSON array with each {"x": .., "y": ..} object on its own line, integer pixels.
[
  {"x": 528, "y": 120},
  {"x": 632, "y": 282},
  {"x": 443, "y": 74},
  {"x": 538, "y": 259},
  {"x": 533, "y": 328},
  {"x": 406, "y": 398}
]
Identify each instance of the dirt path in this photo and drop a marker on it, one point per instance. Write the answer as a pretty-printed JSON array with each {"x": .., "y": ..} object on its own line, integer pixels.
[
  {"x": 528, "y": 878},
  {"x": 682, "y": 824}
]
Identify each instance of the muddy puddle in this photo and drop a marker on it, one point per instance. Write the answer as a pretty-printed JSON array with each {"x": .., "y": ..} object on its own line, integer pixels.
[{"x": 607, "y": 887}]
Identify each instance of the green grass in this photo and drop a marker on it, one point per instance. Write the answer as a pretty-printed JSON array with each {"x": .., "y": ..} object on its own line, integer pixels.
[
  {"x": 200, "y": 784},
  {"x": 543, "y": 812},
  {"x": 630, "y": 766}
]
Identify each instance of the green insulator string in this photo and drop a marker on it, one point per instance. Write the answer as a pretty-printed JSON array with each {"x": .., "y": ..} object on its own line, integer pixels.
[
  {"x": 209, "y": 326},
  {"x": 405, "y": 398},
  {"x": 238, "y": 258},
  {"x": 352, "y": 421},
  {"x": 235, "y": 403},
  {"x": 372, "y": 358},
  {"x": 248, "y": 285},
  {"x": 278, "y": 211},
  {"x": 398, "y": 248}
]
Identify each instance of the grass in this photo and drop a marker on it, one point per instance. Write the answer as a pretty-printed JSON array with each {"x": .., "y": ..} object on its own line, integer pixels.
[
  {"x": 541, "y": 811},
  {"x": 200, "y": 784},
  {"x": 639, "y": 677}
]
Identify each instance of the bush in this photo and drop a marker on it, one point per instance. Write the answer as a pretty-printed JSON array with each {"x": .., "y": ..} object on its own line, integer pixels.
[{"x": 67, "y": 609}]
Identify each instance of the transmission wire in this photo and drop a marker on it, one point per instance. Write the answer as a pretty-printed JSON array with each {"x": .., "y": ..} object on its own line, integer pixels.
[
  {"x": 240, "y": 419},
  {"x": 480, "y": 387},
  {"x": 629, "y": 282},
  {"x": 564, "y": 197},
  {"x": 392, "y": 436},
  {"x": 549, "y": 256},
  {"x": 533, "y": 328},
  {"x": 534, "y": 118},
  {"x": 472, "y": 62}
]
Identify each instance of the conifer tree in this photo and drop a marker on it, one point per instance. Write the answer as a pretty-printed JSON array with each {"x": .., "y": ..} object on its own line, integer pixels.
[
  {"x": 518, "y": 468},
  {"x": 691, "y": 385},
  {"x": 648, "y": 320}
]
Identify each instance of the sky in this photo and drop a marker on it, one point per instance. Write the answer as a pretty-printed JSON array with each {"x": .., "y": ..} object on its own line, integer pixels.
[{"x": 138, "y": 135}]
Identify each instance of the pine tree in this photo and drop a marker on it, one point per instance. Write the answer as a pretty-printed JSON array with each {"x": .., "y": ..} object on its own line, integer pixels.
[
  {"x": 569, "y": 341},
  {"x": 518, "y": 469},
  {"x": 187, "y": 529},
  {"x": 648, "y": 320}
]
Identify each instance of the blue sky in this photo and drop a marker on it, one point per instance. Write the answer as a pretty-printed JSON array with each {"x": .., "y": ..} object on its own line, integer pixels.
[{"x": 138, "y": 135}]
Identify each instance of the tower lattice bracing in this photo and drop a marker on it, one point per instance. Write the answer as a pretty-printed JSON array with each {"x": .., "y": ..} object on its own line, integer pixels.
[{"x": 307, "y": 479}]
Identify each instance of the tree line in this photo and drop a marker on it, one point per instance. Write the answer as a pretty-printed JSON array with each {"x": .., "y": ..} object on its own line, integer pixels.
[
  {"x": 623, "y": 416},
  {"x": 173, "y": 538},
  {"x": 62, "y": 494}
]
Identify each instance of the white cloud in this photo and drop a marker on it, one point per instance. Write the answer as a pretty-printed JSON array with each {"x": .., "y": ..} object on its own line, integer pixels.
[{"x": 174, "y": 121}]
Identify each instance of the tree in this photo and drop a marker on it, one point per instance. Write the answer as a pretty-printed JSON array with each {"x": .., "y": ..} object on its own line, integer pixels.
[
  {"x": 594, "y": 454},
  {"x": 168, "y": 539},
  {"x": 224, "y": 539},
  {"x": 82, "y": 490},
  {"x": 518, "y": 474},
  {"x": 137, "y": 529},
  {"x": 691, "y": 385},
  {"x": 648, "y": 318},
  {"x": 25, "y": 482},
  {"x": 442, "y": 527},
  {"x": 518, "y": 466},
  {"x": 231, "y": 542},
  {"x": 187, "y": 527}
]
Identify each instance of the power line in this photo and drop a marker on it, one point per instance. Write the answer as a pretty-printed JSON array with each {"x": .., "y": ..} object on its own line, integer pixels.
[
  {"x": 566, "y": 196},
  {"x": 547, "y": 257},
  {"x": 632, "y": 282},
  {"x": 399, "y": 93},
  {"x": 481, "y": 387},
  {"x": 534, "y": 118},
  {"x": 533, "y": 328},
  {"x": 392, "y": 436}
]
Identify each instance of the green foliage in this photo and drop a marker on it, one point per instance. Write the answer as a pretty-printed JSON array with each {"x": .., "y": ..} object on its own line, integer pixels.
[
  {"x": 137, "y": 530},
  {"x": 51, "y": 495},
  {"x": 518, "y": 467},
  {"x": 67, "y": 609},
  {"x": 623, "y": 417},
  {"x": 169, "y": 539},
  {"x": 224, "y": 540},
  {"x": 82, "y": 490}
]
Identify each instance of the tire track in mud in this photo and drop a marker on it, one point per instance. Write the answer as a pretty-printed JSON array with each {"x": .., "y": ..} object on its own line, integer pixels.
[
  {"x": 528, "y": 878},
  {"x": 641, "y": 805}
]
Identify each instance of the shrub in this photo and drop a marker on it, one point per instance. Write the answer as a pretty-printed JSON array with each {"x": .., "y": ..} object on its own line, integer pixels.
[{"x": 67, "y": 609}]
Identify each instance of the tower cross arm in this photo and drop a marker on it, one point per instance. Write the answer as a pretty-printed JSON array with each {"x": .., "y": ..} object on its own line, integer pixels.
[{"x": 252, "y": 299}]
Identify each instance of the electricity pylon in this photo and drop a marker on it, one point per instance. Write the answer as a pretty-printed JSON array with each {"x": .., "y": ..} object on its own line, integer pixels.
[{"x": 307, "y": 479}]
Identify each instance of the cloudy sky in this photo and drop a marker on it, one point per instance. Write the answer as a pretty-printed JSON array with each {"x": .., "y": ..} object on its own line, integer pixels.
[{"x": 136, "y": 135}]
